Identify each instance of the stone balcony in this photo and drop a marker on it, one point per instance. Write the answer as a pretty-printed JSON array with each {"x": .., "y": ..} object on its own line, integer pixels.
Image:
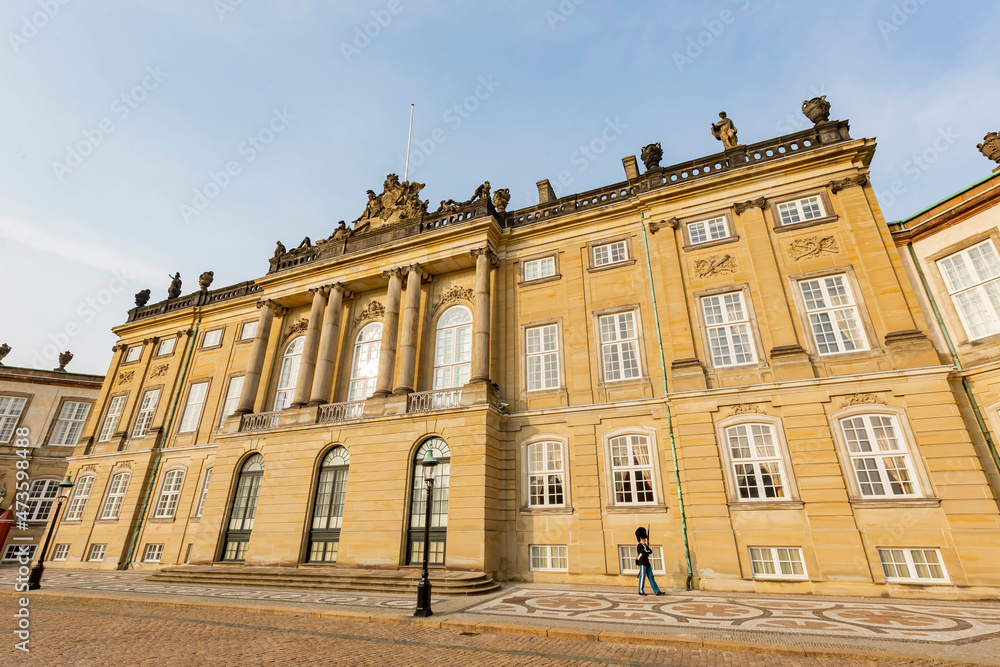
[{"x": 470, "y": 396}]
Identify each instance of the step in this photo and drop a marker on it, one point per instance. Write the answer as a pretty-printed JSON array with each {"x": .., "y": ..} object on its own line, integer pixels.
[{"x": 340, "y": 579}]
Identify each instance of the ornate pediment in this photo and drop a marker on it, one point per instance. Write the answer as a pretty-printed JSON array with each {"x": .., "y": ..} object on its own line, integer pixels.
[{"x": 399, "y": 201}]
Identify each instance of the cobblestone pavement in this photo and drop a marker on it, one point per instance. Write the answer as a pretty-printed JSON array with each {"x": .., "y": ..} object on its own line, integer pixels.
[{"x": 88, "y": 633}]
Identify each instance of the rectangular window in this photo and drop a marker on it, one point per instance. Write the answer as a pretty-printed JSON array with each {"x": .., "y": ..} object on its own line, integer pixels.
[
  {"x": 249, "y": 331},
  {"x": 80, "y": 495},
  {"x": 61, "y": 552},
  {"x": 833, "y": 317},
  {"x": 610, "y": 253},
  {"x": 193, "y": 408},
  {"x": 800, "y": 210},
  {"x": 541, "y": 345},
  {"x": 536, "y": 269},
  {"x": 97, "y": 552},
  {"x": 619, "y": 346},
  {"x": 973, "y": 280},
  {"x": 11, "y": 408},
  {"x": 116, "y": 495},
  {"x": 628, "y": 554},
  {"x": 153, "y": 553},
  {"x": 879, "y": 456},
  {"x": 71, "y": 419},
  {"x": 549, "y": 557},
  {"x": 133, "y": 353},
  {"x": 632, "y": 470},
  {"x": 169, "y": 494},
  {"x": 146, "y": 410},
  {"x": 114, "y": 414},
  {"x": 757, "y": 466},
  {"x": 912, "y": 565},
  {"x": 212, "y": 338},
  {"x": 232, "y": 398},
  {"x": 708, "y": 230},
  {"x": 41, "y": 495},
  {"x": 204, "y": 493},
  {"x": 166, "y": 346},
  {"x": 14, "y": 551},
  {"x": 728, "y": 326},
  {"x": 545, "y": 474},
  {"x": 777, "y": 563}
]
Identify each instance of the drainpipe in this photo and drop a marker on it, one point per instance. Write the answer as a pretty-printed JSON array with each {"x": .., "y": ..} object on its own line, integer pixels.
[
  {"x": 670, "y": 420},
  {"x": 954, "y": 357},
  {"x": 159, "y": 453}
]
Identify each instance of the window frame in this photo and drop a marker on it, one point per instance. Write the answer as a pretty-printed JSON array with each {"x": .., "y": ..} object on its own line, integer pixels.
[
  {"x": 978, "y": 287},
  {"x": 107, "y": 414},
  {"x": 181, "y": 429},
  {"x": 203, "y": 493},
  {"x": 128, "y": 352},
  {"x": 792, "y": 500},
  {"x": 17, "y": 420},
  {"x": 164, "y": 509},
  {"x": 112, "y": 496},
  {"x": 560, "y": 380},
  {"x": 659, "y": 500},
  {"x": 100, "y": 549},
  {"x": 78, "y": 499},
  {"x": 225, "y": 397},
  {"x": 826, "y": 205},
  {"x": 280, "y": 369},
  {"x": 690, "y": 243},
  {"x": 150, "y": 547},
  {"x": 242, "y": 337},
  {"x": 204, "y": 338},
  {"x": 59, "y": 547},
  {"x": 925, "y": 495},
  {"x": 640, "y": 344},
  {"x": 756, "y": 342},
  {"x": 40, "y": 500},
  {"x": 139, "y": 412},
  {"x": 776, "y": 563},
  {"x": 329, "y": 534},
  {"x": 621, "y": 238},
  {"x": 438, "y": 340},
  {"x": 159, "y": 347},
  {"x": 12, "y": 558},
  {"x": 524, "y": 281},
  {"x": 63, "y": 402},
  {"x": 549, "y": 557},
  {"x": 368, "y": 380},
  {"x": 912, "y": 566},
  {"x": 864, "y": 321},
  {"x": 632, "y": 553},
  {"x": 567, "y": 505}
]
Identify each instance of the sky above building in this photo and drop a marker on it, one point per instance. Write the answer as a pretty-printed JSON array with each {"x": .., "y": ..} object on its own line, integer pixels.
[{"x": 145, "y": 138}]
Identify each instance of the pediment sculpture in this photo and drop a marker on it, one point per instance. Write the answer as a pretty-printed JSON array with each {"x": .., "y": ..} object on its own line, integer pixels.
[{"x": 398, "y": 201}]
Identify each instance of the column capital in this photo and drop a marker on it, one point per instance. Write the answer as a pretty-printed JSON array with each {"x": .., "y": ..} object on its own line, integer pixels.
[
  {"x": 759, "y": 202},
  {"x": 672, "y": 223},
  {"x": 492, "y": 256},
  {"x": 399, "y": 271},
  {"x": 322, "y": 289},
  {"x": 267, "y": 302}
]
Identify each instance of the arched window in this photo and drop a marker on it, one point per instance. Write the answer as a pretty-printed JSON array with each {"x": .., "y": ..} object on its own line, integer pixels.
[
  {"x": 116, "y": 495},
  {"x": 328, "y": 511},
  {"x": 244, "y": 508},
  {"x": 80, "y": 496},
  {"x": 439, "y": 506},
  {"x": 289, "y": 373},
  {"x": 364, "y": 370},
  {"x": 453, "y": 348}
]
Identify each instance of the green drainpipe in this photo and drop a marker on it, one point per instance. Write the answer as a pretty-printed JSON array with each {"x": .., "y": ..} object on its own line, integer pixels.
[
  {"x": 670, "y": 419},
  {"x": 163, "y": 440},
  {"x": 954, "y": 357}
]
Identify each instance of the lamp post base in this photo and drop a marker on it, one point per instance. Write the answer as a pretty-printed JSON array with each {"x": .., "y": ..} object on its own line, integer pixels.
[
  {"x": 423, "y": 598},
  {"x": 35, "y": 578}
]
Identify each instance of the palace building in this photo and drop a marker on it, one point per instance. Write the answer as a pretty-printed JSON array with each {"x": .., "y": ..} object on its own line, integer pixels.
[{"x": 728, "y": 351}]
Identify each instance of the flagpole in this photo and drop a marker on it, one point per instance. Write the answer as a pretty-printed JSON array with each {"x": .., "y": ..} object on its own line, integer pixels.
[{"x": 406, "y": 169}]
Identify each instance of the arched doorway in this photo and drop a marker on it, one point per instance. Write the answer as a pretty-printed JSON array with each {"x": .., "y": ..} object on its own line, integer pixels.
[
  {"x": 244, "y": 508},
  {"x": 439, "y": 506}
]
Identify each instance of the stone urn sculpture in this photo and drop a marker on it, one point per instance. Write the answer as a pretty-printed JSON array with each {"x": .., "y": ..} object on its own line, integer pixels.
[
  {"x": 142, "y": 298},
  {"x": 990, "y": 146},
  {"x": 64, "y": 358},
  {"x": 4, "y": 351},
  {"x": 205, "y": 280},
  {"x": 817, "y": 109}
]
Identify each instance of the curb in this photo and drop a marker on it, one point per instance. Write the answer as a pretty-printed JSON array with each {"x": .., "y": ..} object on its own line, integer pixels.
[{"x": 491, "y": 627}]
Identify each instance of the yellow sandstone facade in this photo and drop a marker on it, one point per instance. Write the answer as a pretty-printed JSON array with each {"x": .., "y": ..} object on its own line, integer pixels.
[{"x": 736, "y": 333}]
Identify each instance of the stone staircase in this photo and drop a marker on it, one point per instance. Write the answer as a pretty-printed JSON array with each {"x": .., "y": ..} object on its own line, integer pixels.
[{"x": 443, "y": 582}]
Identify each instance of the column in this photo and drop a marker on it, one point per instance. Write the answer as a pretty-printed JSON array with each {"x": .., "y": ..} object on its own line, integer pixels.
[
  {"x": 390, "y": 330},
  {"x": 322, "y": 386},
  {"x": 251, "y": 381},
  {"x": 408, "y": 344},
  {"x": 307, "y": 365},
  {"x": 485, "y": 260}
]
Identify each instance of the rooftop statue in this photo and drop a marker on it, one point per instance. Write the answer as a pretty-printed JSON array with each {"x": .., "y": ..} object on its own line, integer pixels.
[
  {"x": 279, "y": 249},
  {"x": 205, "y": 280},
  {"x": 651, "y": 155},
  {"x": 174, "y": 290},
  {"x": 4, "y": 351},
  {"x": 725, "y": 131},
  {"x": 399, "y": 201},
  {"x": 482, "y": 192},
  {"x": 990, "y": 146},
  {"x": 142, "y": 298},
  {"x": 500, "y": 200}
]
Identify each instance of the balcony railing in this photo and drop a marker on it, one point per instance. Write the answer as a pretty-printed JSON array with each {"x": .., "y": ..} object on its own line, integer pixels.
[
  {"x": 261, "y": 421},
  {"x": 340, "y": 412},
  {"x": 428, "y": 401}
]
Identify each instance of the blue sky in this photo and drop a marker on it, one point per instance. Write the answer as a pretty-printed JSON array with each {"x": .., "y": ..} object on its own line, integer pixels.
[{"x": 116, "y": 116}]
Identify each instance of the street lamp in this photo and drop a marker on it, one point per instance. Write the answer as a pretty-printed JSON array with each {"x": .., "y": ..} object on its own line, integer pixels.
[
  {"x": 424, "y": 587},
  {"x": 35, "y": 579}
]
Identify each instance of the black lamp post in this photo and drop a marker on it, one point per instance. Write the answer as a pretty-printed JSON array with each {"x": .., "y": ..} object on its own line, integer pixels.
[
  {"x": 35, "y": 578},
  {"x": 424, "y": 587}
]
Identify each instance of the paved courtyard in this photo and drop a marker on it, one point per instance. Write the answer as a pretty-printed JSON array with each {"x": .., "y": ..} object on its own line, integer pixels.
[{"x": 89, "y": 614}]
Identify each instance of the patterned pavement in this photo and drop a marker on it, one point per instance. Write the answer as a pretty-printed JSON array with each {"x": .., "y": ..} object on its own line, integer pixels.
[{"x": 920, "y": 621}]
